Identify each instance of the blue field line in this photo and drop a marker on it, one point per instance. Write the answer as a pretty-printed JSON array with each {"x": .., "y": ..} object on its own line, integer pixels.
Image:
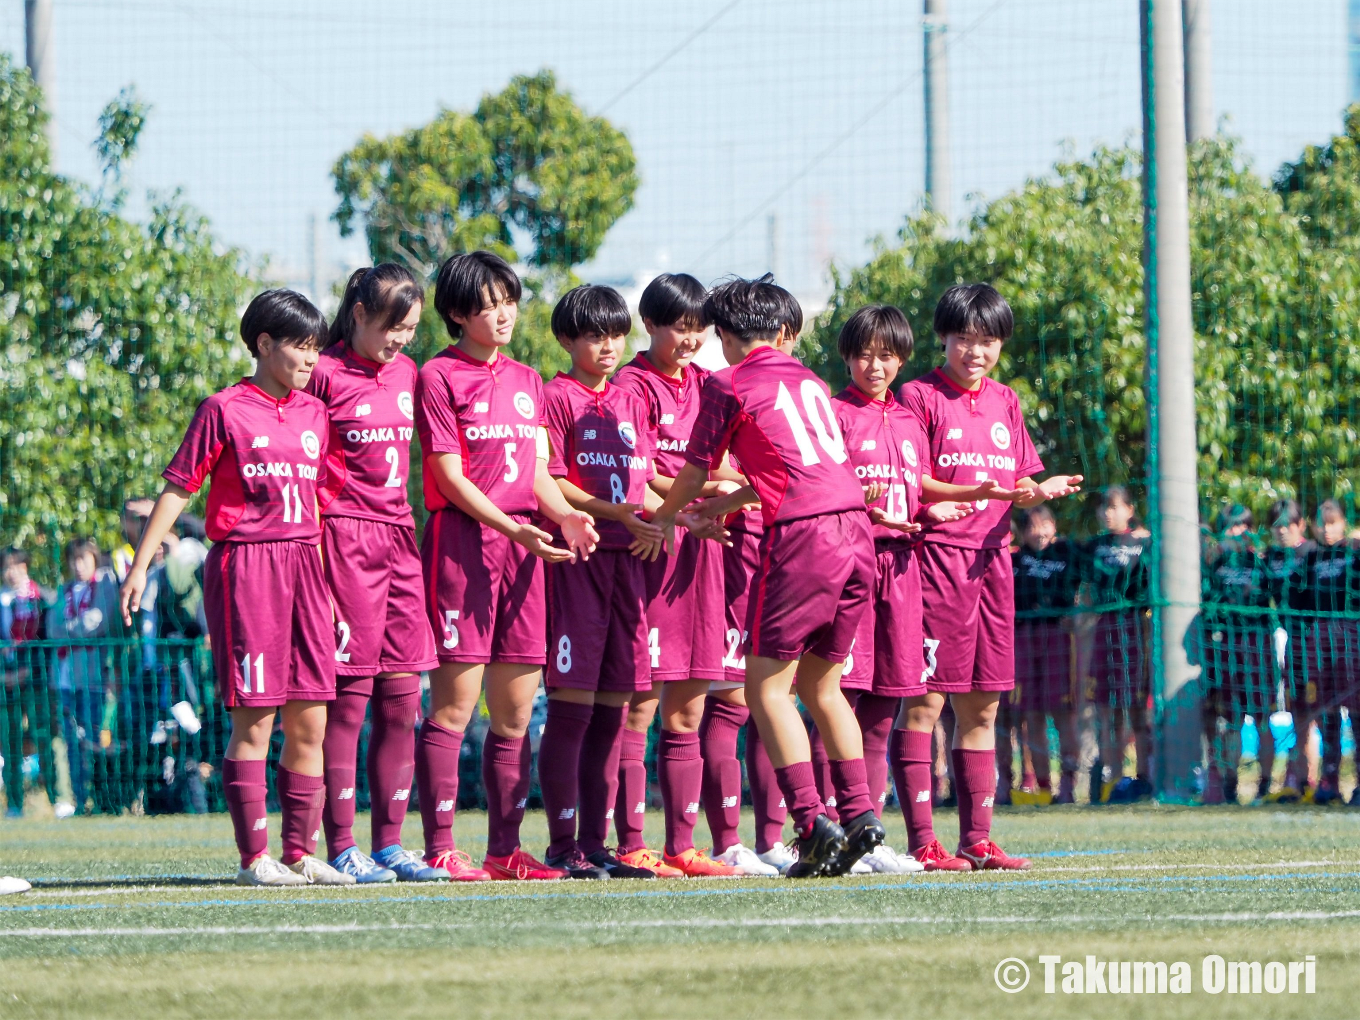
[
  {"x": 1112, "y": 884},
  {"x": 1077, "y": 853}
]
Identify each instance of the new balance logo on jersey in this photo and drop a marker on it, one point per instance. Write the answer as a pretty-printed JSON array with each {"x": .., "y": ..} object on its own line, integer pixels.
[
  {"x": 260, "y": 824},
  {"x": 401, "y": 795},
  {"x": 729, "y": 802},
  {"x": 566, "y": 814},
  {"x": 481, "y": 407},
  {"x": 444, "y": 805},
  {"x": 954, "y": 434},
  {"x": 346, "y": 794},
  {"x": 668, "y": 419},
  {"x": 259, "y": 442},
  {"x": 692, "y": 808},
  {"x": 362, "y": 409},
  {"x": 588, "y": 434},
  {"x": 922, "y": 796},
  {"x": 869, "y": 444}
]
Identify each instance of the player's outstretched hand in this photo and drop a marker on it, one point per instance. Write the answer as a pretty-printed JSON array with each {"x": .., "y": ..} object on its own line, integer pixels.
[
  {"x": 991, "y": 489},
  {"x": 539, "y": 543},
  {"x": 647, "y": 549},
  {"x": 1051, "y": 488},
  {"x": 873, "y": 492},
  {"x": 948, "y": 510},
  {"x": 130, "y": 595},
  {"x": 704, "y": 527},
  {"x": 645, "y": 530},
  {"x": 880, "y": 516},
  {"x": 578, "y": 531}
]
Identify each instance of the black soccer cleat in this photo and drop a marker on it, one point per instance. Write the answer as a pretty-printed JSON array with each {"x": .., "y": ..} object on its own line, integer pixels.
[
  {"x": 607, "y": 860},
  {"x": 820, "y": 850},
  {"x": 575, "y": 864},
  {"x": 862, "y": 834}
]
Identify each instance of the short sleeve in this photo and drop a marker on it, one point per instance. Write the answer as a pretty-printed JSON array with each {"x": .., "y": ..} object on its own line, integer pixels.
[
  {"x": 557, "y": 420},
  {"x": 200, "y": 449},
  {"x": 718, "y": 413},
  {"x": 436, "y": 416},
  {"x": 912, "y": 397},
  {"x": 1027, "y": 459},
  {"x": 319, "y": 385}
]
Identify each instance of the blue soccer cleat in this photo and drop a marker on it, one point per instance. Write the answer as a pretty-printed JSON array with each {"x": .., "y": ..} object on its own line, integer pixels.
[
  {"x": 362, "y": 867},
  {"x": 408, "y": 866}
]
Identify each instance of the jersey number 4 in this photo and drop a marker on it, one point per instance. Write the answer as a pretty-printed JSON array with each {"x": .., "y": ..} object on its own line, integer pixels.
[{"x": 817, "y": 406}]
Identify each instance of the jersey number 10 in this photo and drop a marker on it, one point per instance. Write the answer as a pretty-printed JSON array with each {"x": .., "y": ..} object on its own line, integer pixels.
[{"x": 817, "y": 406}]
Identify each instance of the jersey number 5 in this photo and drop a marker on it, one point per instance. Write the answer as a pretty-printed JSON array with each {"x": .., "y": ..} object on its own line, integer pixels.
[{"x": 817, "y": 406}]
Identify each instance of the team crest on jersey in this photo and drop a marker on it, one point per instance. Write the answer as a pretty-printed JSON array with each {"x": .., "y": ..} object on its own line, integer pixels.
[
  {"x": 1001, "y": 436},
  {"x": 627, "y": 433},
  {"x": 524, "y": 404},
  {"x": 908, "y": 453},
  {"x": 311, "y": 446},
  {"x": 259, "y": 442},
  {"x": 406, "y": 406}
]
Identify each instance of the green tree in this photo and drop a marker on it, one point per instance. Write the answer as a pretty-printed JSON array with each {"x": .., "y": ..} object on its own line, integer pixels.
[{"x": 111, "y": 333}]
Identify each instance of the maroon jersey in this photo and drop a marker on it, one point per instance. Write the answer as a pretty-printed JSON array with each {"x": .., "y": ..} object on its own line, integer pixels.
[
  {"x": 372, "y": 410},
  {"x": 776, "y": 418},
  {"x": 263, "y": 456},
  {"x": 974, "y": 435},
  {"x": 489, "y": 413},
  {"x": 600, "y": 444},
  {"x": 672, "y": 405},
  {"x": 885, "y": 442}
]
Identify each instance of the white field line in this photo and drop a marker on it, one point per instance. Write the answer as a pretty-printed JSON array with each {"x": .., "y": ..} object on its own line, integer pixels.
[{"x": 1198, "y": 867}]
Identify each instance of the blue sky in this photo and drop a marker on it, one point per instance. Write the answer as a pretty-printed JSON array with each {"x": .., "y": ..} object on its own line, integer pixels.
[{"x": 806, "y": 109}]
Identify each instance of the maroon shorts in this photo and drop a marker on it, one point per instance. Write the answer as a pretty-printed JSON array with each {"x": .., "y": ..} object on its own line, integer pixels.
[
  {"x": 597, "y": 623},
  {"x": 269, "y": 617},
  {"x": 1118, "y": 663},
  {"x": 813, "y": 587},
  {"x": 483, "y": 593},
  {"x": 1045, "y": 666},
  {"x": 968, "y": 618},
  {"x": 1238, "y": 679},
  {"x": 685, "y": 611},
  {"x": 373, "y": 570},
  {"x": 887, "y": 655},
  {"x": 741, "y": 560}
]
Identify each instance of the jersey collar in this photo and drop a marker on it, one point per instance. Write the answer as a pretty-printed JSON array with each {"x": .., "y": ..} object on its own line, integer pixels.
[
  {"x": 492, "y": 365},
  {"x": 251, "y": 387},
  {"x": 373, "y": 366},
  {"x": 642, "y": 361},
  {"x": 959, "y": 389},
  {"x": 864, "y": 398},
  {"x": 594, "y": 394}
]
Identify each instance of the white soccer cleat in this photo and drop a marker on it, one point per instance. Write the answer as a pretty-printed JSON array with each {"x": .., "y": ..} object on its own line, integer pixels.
[
  {"x": 10, "y": 885},
  {"x": 747, "y": 862},
  {"x": 861, "y": 867},
  {"x": 886, "y": 861},
  {"x": 779, "y": 857},
  {"x": 265, "y": 871},
  {"x": 315, "y": 871},
  {"x": 63, "y": 809}
]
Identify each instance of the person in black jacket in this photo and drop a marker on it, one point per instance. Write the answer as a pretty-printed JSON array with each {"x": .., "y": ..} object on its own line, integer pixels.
[
  {"x": 1286, "y": 570},
  {"x": 1333, "y": 582}
]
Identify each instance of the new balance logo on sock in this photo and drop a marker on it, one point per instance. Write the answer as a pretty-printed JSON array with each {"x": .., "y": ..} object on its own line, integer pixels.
[
  {"x": 831, "y": 802},
  {"x": 316, "y": 835},
  {"x": 781, "y": 803},
  {"x": 987, "y": 801},
  {"x": 922, "y": 796},
  {"x": 346, "y": 794},
  {"x": 692, "y": 808},
  {"x": 641, "y": 808},
  {"x": 521, "y": 804},
  {"x": 883, "y": 797},
  {"x": 260, "y": 823},
  {"x": 566, "y": 814},
  {"x": 401, "y": 795},
  {"x": 444, "y": 805},
  {"x": 609, "y": 815},
  {"x": 729, "y": 802}
]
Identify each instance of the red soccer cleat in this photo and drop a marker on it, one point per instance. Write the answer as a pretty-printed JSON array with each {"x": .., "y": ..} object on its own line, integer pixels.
[
  {"x": 520, "y": 867},
  {"x": 987, "y": 856},
  {"x": 934, "y": 857},
  {"x": 459, "y": 866}
]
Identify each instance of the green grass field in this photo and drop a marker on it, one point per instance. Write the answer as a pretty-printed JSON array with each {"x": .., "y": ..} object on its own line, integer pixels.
[{"x": 130, "y": 917}]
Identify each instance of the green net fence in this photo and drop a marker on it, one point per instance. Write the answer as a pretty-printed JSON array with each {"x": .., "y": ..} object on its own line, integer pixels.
[{"x": 145, "y": 200}]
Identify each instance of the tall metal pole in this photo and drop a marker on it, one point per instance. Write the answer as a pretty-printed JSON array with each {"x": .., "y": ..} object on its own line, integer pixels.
[
  {"x": 42, "y": 64},
  {"x": 1199, "y": 70},
  {"x": 1353, "y": 50},
  {"x": 939, "y": 177},
  {"x": 1172, "y": 452}
]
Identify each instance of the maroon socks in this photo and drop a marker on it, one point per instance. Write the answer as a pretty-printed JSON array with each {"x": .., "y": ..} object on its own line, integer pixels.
[
  {"x": 851, "y": 784},
  {"x": 821, "y": 768},
  {"x": 630, "y": 805},
  {"x": 911, "y": 766},
  {"x": 681, "y": 773},
  {"x": 976, "y": 774},
  {"x": 244, "y": 785},
  {"x": 766, "y": 797},
  {"x": 344, "y": 720},
  {"x": 799, "y": 784},
  {"x": 437, "y": 772},
  {"x": 559, "y": 762},
  {"x": 505, "y": 774},
  {"x": 300, "y": 801},
  {"x": 391, "y": 763},
  {"x": 598, "y": 779},
  {"x": 876, "y": 715},
  {"x": 722, "y": 772}
]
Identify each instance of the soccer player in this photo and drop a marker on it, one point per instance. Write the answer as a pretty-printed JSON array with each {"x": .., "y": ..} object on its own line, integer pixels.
[
  {"x": 479, "y": 414},
  {"x": 1237, "y": 652},
  {"x": 1047, "y": 573},
  {"x": 262, "y": 443},
  {"x": 368, "y": 544},
  {"x": 977, "y": 438},
  {"x": 1333, "y": 582},
  {"x": 885, "y": 443},
  {"x": 685, "y": 603},
  {"x": 1286, "y": 567},
  {"x": 598, "y": 656},
  {"x": 817, "y": 564},
  {"x": 1114, "y": 568}
]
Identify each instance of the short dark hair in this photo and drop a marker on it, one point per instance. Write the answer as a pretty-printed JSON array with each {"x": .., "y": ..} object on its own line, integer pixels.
[
  {"x": 1233, "y": 516},
  {"x": 672, "y": 298},
  {"x": 81, "y": 547},
  {"x": 591, "y": 308},
  {"x": 1286, "y": 510},
  {"x": 387, "y": 290},
  {"x": 753, "y": 309},
  {"x": 286, "y": 316},
  {"x": 15, "y": 555},
  {"x": 464, "y": 281},
  {"x": 1330, "y": 507},
  {"x": 883, "y": 323},
  {"x": 1024, "y": 518},
  {"x": 974, "y": 308}
]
